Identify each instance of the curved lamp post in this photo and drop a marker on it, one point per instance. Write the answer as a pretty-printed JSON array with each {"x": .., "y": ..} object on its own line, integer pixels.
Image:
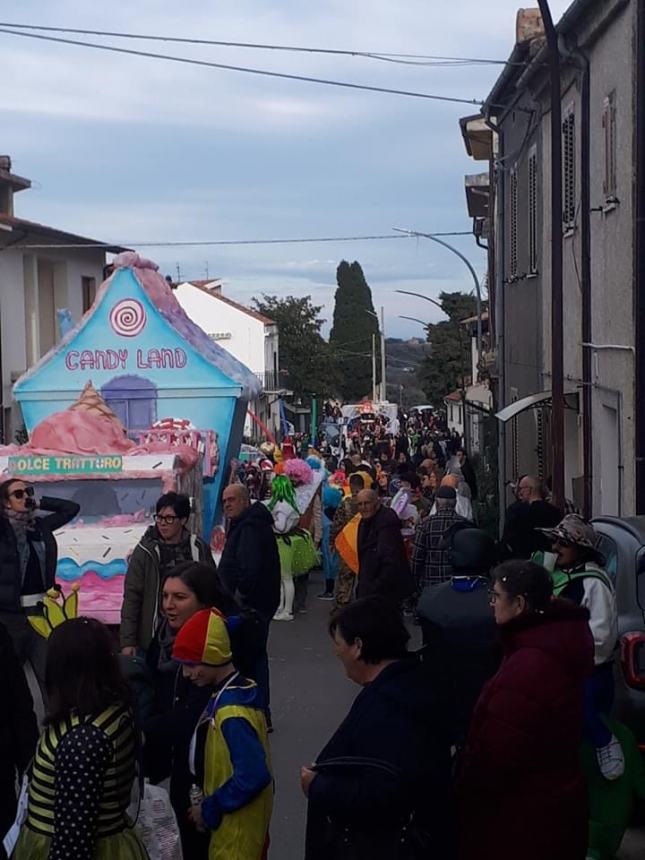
[{"x": 478, "y": 291}]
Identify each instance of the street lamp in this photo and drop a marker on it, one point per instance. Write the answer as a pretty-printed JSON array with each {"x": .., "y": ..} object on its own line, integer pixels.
[
  {"x": 463, "y": 375},
  {"x": 413, "y": 319},
  {"x": 478, "y": 291}
]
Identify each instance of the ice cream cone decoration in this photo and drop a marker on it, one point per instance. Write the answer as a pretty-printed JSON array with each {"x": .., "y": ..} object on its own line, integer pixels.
[{"x": 91, "y": 401}]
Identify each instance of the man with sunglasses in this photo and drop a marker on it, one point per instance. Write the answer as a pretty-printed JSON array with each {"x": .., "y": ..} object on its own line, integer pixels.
[
  {"x": 163, "y": 546},
  {"x": 28, "y": 557}
]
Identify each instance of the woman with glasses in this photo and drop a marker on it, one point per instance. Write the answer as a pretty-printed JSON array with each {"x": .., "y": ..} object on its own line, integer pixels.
[
  {"x": 520, "y": 789},
  {"x": 163, "y": 546},
  {"x": 28, "y": 557}
]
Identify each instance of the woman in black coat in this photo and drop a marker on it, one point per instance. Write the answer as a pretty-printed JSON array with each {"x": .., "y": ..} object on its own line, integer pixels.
[
  {"x": 28, "y": 558},
  {"x": 18, "y": 729},
  {"x": 380, "y": 788}
]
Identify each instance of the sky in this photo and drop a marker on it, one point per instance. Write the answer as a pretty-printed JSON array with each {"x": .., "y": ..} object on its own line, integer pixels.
[{"x": 130, "y": 150}]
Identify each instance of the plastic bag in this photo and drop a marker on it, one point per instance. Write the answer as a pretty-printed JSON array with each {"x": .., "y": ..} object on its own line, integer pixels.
[{"x": 156, "y": 824}]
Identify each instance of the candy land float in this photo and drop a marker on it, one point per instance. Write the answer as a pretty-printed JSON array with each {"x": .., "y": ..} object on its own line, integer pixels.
[{"x": 136, "y": 400}]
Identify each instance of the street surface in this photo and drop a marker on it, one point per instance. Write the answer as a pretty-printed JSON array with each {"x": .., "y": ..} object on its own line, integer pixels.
[{"x": 311, "y": 695}]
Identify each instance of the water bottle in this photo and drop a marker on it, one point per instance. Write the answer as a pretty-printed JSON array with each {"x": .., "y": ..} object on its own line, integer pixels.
[{"x": 196, "y": 796}]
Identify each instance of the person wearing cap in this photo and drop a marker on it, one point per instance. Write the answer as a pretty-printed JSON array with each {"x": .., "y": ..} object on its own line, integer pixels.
[
  {"x": 229, "y": 752},
  {"x": 429, "y": 563},
  {"x": 578, "y": 575},
  {"x": 461, "y": 647}
]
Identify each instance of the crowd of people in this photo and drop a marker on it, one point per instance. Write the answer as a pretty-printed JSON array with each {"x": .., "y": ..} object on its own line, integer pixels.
[{"x": 470, "y": 747}]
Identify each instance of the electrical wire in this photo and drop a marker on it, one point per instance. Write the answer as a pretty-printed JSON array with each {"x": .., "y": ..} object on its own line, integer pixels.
[
  {"x": 189, "y": 244},
  {"x": 246, "y": 69},
  {"x": 408, "y": 59}
]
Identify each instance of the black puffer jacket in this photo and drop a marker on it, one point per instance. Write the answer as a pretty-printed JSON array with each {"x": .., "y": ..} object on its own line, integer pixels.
[
  {"x": 61, "y": 511},
  {"x": 250, "y": 565}
]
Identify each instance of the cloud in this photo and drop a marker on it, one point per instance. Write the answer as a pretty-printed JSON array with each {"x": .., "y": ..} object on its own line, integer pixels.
[{"x": 128, "y": 149}]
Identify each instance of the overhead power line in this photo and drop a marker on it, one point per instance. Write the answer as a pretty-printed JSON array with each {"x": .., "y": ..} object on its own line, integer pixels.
[
  {"x": 197, "y": 244},
  {"x": 251, "y": 71},
  {"x": 413, "y": 59}
]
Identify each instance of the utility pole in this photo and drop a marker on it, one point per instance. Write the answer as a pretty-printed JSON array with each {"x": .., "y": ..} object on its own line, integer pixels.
[
  {"x": 383, "y": 369},
  {"x": 557, "y": 362},
  {"x": 374, "y": 394}
]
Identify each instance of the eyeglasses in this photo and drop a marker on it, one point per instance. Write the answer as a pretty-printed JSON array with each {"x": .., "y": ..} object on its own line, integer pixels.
[
  {"x": 562, "y": 542},
  {"x": 164, "y": 520},
  {"x": 19, "y": 494}
]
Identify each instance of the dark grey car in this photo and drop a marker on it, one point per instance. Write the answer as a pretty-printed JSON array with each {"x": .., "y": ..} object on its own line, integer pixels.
[{"x": 622, "y": 541}]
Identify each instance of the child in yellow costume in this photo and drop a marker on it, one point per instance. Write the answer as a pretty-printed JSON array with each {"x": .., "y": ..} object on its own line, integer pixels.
[{"x": 229, "y": 751}]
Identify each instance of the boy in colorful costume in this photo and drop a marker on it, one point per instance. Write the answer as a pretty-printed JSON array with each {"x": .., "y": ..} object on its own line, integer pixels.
[{"x": 230, "y": 751}]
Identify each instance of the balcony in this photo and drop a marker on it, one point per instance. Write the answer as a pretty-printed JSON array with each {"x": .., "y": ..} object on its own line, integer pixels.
[{"x": 273, "y": 383}]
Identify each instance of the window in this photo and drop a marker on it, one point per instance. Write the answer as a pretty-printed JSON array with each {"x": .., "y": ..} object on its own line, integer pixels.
[
  {"x": 609, "y": 185},
  {"x": 569, "y": 171},
  {"x": 88, "y": 288},
  {"x": 533, "y": 210},
  {"x": 513, "y": 226}
]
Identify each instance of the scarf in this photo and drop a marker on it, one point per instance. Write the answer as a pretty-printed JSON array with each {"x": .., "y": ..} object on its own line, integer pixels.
[{"x": 21, "y": 522}]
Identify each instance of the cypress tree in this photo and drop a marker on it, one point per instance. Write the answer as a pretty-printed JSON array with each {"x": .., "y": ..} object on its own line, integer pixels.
[{"x": 351, "y": 334}]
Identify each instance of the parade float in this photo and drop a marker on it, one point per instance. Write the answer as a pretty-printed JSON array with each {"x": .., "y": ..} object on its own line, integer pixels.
[{"x": 136, "y": 400}]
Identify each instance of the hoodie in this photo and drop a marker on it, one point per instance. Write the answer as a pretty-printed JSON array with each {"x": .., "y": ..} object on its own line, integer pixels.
[{"x": 250, "y": 565}]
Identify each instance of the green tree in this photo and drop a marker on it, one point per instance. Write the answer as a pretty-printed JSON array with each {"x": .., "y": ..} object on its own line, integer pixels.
[
  {"x": 351, "y": 336},
  {"x": 449, "y": 364},
  {"x": 306, "y": 364}
]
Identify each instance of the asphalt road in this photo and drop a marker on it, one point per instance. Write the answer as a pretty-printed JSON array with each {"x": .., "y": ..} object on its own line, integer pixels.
[{"x": 311, "y": 695}]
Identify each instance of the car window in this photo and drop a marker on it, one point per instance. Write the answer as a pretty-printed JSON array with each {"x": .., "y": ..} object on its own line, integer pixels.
[{"x": 609, "y": 549}]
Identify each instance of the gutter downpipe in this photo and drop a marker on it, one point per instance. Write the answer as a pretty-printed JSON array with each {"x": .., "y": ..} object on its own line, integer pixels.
[
  {"x": 639, "y": 262},
  {"x": 577, "y": 55},
  {"x": 497, "y": 314},
  {"x": 557, "y": 357}
]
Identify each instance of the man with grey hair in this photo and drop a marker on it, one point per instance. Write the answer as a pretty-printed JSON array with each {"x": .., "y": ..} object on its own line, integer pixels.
[
  {"x": 383, "y": 566},
  {"x": 429, "y": 563},
  {"x": 521, "y": 536}
]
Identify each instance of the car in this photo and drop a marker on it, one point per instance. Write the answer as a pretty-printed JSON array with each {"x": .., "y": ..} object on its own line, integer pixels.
[{"x": 622, "y": 541}]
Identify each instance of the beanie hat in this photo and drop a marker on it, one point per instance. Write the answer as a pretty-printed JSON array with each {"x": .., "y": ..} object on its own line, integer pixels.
[{"x": 203, "y": 639}]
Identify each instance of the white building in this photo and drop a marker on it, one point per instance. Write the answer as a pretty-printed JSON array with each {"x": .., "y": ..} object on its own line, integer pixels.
[
  {"x": 248, "y": 335},
  {"x": 36, "y": 280}
]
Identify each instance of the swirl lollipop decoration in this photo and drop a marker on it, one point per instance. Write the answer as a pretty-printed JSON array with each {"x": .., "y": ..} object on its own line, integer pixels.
[{"x": 128, "y": 318}]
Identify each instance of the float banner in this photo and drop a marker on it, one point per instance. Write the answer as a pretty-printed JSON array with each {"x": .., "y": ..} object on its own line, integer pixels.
[{"x": 92, "y": 464}]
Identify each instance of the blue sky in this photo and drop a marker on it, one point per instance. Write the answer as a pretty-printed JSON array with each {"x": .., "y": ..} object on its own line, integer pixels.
[{"x": 128, "y": 149}]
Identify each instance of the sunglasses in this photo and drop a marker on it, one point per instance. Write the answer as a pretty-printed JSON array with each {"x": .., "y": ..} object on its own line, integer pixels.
[
  {"x": 562, "y": 542},
  {"x": 165, "y": 520},
  {"x": 19, "y": 494}
]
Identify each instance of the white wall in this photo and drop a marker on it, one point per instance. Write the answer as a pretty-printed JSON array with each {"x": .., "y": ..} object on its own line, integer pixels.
[
  {"x": 217, "y": 317},
  {"x": 19, "y": 310}
]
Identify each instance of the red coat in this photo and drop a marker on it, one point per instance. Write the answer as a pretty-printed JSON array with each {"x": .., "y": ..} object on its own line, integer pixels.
[{"x": 521, "y": 791}]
